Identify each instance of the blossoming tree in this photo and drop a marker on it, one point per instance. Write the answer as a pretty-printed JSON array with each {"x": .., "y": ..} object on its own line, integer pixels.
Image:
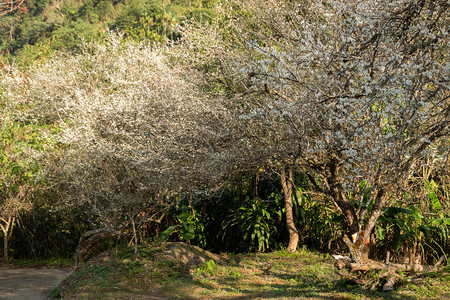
[
  {"x": 132, "y": 122},
  {"x": 354, "y": 92}
]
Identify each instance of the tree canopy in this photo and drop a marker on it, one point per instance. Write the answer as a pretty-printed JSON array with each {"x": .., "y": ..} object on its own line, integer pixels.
[{"x": 349, "y": 98}]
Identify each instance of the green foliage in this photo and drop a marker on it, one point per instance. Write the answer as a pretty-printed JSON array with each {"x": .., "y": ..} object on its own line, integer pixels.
[
  {"x": 188, "y": 224},
  {"x": 201, "y": 15},
  {"x": 55, "y": 293},
  {"x": 141, "y": 20},
  {"x": 105, "y": 10},
  {"x": 62, "y": 27},
  {"x": 132, "y": 268},
  {"x": 406, "y": 227},
  {"x": 188, "y": 227},
  {"x": 164, "y": 236},
  {"x": 254, "y": 222},
  {"x": 37, "y": 6},
  {"x": 71, "y": 36},
  {"x": 31, "y": 54},
  {"x": 209, "y": 267},
  {"x": 17, "y": 167},
  {"x": 44, "y": 231},
  {"x": 31, "y": 30},
  {"x": 319, "y": 225}
]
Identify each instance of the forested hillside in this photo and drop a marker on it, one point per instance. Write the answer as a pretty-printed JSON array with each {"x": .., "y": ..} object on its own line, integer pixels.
[{"x": 43, "y": 26}]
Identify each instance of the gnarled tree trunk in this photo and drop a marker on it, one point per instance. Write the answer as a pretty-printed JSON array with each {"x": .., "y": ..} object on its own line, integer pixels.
[
  {"x": 358, "y": 247},
  {"x": 359, "y": 222}
]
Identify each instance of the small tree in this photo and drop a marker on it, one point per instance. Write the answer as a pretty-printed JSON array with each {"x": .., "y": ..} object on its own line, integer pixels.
[
  {"x": 9, "y": 211},
  {"x": 18, "y": 170},
  {"x": 287, "y": 183}
]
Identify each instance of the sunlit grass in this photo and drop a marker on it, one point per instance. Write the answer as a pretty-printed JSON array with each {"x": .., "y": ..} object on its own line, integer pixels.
[{"x": 273, "y": 275}]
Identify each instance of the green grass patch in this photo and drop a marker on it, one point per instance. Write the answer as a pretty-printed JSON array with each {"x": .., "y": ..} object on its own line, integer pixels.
[{"x": 276, "y": 275}]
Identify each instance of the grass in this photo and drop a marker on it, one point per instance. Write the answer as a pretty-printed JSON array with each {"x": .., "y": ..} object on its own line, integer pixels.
[
  {"x": 276, "y": 275},
  {"x": 38, "y": 263}
]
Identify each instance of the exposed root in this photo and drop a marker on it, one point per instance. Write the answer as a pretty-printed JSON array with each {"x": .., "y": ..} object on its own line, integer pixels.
[
  {"x": 389, "y": 285},
  {"x": 390, "y": 275}
]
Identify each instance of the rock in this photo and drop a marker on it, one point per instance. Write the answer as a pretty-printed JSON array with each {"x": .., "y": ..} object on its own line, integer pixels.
[
  {"x": 340, "y": 257},
  {"x": 389, "y": 285},
  {"x": 91, "y": 243},
  {"x": 187, "y": 254}
]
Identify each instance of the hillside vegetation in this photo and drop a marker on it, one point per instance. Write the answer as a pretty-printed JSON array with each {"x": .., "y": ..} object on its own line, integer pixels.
[{"x": 49, "y": 26}]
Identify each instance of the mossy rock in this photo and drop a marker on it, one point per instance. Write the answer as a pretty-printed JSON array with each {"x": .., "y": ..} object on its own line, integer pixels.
[{"x": 187, "y": 254}]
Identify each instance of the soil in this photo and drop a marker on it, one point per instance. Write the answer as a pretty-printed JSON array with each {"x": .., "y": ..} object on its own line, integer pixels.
[{"x": 28, "y": 283}]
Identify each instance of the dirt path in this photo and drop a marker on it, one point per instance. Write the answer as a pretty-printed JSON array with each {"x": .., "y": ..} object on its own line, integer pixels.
[{"x": 29, "y": 284}]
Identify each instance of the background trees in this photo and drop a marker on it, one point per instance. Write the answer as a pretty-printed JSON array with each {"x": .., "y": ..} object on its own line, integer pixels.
[
  {"x": 19, "y": 170},
  {"x": 48, "y": 26}
]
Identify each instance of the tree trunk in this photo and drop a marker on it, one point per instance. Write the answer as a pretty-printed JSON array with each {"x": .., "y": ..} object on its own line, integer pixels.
[
  {"x": 7, "y": 230},
  {"x": 135, "y": 238},
  {"x": 360, "y": 224},
  {"x": 287, "y": 183},
  {"x": 5, "y": 247},
  {"x": 359, "y": 247}
]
